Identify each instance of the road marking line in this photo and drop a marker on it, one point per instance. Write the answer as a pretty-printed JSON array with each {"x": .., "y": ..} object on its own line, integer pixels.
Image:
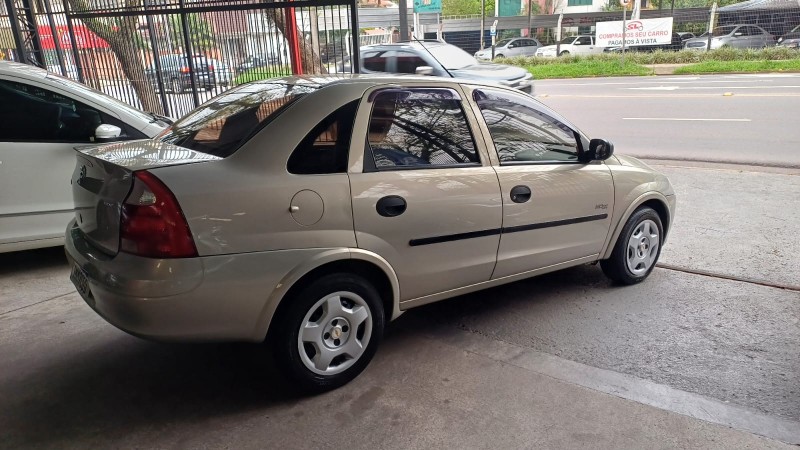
[{"x": 683, "y": 119}]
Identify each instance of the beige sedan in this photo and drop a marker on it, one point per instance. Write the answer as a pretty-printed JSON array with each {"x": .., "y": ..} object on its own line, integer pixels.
[{"x": 310, "y": 211}]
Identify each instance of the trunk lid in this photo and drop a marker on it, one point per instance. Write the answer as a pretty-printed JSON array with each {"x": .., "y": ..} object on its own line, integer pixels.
[{"x": 103, "y": 178}]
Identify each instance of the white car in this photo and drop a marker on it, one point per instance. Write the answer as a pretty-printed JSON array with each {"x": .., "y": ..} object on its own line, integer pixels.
[
  {"x": 573, "y": 45},
  {"x": 43, "y": 117},
  {"x": 508, "y": 48}
]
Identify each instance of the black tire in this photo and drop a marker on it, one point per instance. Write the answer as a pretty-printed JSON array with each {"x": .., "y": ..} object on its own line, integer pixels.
[
  {"x": 617, "y": 267},
  {"x": 499, "y": 56},
  {"x": 564, "y": 53},
  {"x": 285, "y": 337}
]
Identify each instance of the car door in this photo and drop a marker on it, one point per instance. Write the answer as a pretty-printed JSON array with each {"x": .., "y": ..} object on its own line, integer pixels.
[
  {"x": 427, "y": 199},
  {"x": 583, "y": 45},
  {"x": 39, "y": 129},
  {"x": 530, "y": 47},
  {"x": 555, "y": 207}
]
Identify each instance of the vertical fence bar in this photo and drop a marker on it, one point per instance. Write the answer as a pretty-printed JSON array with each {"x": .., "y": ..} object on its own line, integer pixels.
[
  {"x": 187, "y": 50},
  {"x": 56, "y": 39},
  {"x": 157, "y": 64},
  {"x": 75, "y": 52},
  {"x": 355, "y": 55}
]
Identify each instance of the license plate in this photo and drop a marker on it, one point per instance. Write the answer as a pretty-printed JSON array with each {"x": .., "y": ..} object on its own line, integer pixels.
[{"x": 81, "y": 282}]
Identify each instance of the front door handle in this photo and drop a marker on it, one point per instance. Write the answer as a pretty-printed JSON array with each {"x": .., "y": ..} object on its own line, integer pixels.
[
  {"x": 391, "y": 206},
  {"x": 520, "y": 194}
]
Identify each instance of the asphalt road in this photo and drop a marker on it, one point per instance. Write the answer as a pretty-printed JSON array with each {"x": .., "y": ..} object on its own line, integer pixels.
[{"x": 725, "y": 118}]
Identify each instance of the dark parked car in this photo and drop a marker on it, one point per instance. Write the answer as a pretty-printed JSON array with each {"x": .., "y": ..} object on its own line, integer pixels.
[
  {"x": 791, "y": 39},
  {"x": 439, "y": 59},
  {"x": 253, "y": 61},
  {"x": 176, "y": 73}
]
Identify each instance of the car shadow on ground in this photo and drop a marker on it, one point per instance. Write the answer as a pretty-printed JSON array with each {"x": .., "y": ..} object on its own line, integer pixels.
[{"x": 117, "y": 383}]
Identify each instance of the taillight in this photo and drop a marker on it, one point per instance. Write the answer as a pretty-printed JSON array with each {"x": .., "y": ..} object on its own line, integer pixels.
[
  {"x": 152, "y": 223},
  {"x": 184, "y": 69}
]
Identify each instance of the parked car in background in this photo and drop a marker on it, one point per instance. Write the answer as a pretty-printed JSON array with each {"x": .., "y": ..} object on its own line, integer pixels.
[
  {"x": 177, "y": 74},
  {"x": 377, "y": 194},
  {"x": 509, "y": 48},
  {"x": 736, "y": 36},
  {"x": 253, "y": 61},
  {"x": 43, "y": 117},
  {"x": 222, "y": 73},
  {"x": 572, "y": 45},
  {"x": 790, "y": 39},
  {"x": 440, "y": 59}
]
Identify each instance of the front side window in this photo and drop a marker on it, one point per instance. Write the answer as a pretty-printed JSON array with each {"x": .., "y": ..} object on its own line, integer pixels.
[
  {"x": 30, "y": 113},
  {"x": 522, "y": 132},
  {"x": 408, "y": 62},
  {"x": 225, "y": 123},
  {"x": 585, "y": 40},
  {"x": 375, "y": 61},
  {"x": 419, "y": 128}
]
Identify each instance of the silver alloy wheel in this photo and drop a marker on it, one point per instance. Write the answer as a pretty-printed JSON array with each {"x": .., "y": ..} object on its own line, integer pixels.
[
  {"x": 642, "y": 247},
  {"x": 334, "y": 333}
]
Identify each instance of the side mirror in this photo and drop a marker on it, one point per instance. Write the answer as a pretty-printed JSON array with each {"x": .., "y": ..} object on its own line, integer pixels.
[
  {"x": 576, "y": 43},
  {"x": 424, "y": 70},
  {"x": 107, "y": 133},
  {"x": 599, "y": 150},
  {"x": 737, "y": 34}
]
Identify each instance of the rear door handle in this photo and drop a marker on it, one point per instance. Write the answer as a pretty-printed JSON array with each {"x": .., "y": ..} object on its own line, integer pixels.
[
  {"x": 391, "y": 206},
  {"x": 520, "y": 194}
]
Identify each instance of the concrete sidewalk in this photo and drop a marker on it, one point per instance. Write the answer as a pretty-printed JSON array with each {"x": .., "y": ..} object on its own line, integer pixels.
[{"x": 70, "y": 380}]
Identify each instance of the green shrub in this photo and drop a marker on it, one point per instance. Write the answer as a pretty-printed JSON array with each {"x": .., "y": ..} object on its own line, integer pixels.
[
  {"x": 666, "y": 57},
  {"x": 262, "y": 73}
]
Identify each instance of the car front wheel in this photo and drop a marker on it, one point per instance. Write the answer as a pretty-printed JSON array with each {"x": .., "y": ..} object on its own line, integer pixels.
[
  {"x": 564, "y": 53},
  {"x": 637, "y": 249},
  {"x": 329, "y": 332}
]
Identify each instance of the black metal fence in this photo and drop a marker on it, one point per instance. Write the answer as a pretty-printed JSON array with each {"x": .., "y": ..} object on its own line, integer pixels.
[{"x": 168, "y": 56}]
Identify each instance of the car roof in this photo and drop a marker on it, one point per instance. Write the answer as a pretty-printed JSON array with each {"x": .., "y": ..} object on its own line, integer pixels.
[
  {"x": 23, "y": 70},
  {"x": 408, "y": 45},
  {"x": 371, "y": 79}
]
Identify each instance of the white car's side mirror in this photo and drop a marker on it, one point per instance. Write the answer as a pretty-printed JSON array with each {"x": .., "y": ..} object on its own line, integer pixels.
[
  {"x": 107, "y": 133},
  {"x": 424, "y": 70}
]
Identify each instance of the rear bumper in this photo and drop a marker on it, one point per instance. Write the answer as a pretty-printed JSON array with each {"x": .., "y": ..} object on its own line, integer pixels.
[{"x": 206, "y": 299}]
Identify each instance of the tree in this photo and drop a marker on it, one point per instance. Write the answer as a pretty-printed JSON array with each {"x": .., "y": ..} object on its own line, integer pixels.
[
  {"x": 466, "y": 7},
  {"x": 123, "y": 37},
  {"x": 201, "y": 33}
]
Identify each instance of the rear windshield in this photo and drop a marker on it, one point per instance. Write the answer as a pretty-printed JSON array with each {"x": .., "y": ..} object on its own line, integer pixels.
[{"x": 222, "y": 125}]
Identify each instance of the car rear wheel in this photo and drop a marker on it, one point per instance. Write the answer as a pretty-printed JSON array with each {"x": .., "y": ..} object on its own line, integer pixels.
[
  {"x": 329, "y": 331},
  {"x": 637, "y": 249}
]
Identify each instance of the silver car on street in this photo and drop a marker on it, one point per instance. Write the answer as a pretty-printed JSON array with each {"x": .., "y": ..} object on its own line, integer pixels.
[{"x": 308, "y": 212}]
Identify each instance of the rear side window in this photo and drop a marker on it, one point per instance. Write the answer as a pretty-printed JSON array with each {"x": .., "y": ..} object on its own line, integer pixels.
[
  {"x": 224, "y": 124},
  {"x": 419, "y": 128},
  {"x": 324, "y": 150}
]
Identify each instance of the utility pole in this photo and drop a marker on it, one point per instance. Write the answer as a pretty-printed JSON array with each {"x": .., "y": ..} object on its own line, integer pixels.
[
  {"x": 483, "y": 22},
  {"x": 404, "y": 20}
]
